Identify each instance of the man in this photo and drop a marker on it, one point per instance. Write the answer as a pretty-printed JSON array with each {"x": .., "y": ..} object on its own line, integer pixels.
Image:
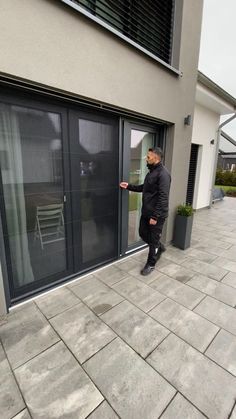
[{"x": 155, "y": 203}]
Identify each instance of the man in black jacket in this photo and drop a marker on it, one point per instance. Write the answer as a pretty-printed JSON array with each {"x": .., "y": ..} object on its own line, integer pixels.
[{"x": 155, "y": 205}]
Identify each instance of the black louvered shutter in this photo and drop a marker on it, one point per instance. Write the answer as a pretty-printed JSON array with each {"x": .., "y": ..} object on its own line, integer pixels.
[
  {"x": 148, "y": 23},
  {"x": 192, "y": 173}
]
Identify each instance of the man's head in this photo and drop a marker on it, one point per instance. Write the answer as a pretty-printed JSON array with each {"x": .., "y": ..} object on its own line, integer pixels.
[{"x": 154, "y": 156}]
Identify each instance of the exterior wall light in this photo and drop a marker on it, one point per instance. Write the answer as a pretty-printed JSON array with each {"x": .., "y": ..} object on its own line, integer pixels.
[
  {"x": 187, "y": 120},
  {"x": 212, "y": 141}
]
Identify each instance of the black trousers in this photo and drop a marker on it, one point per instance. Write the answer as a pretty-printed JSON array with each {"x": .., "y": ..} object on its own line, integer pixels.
[{"x": 151, "y": 234}]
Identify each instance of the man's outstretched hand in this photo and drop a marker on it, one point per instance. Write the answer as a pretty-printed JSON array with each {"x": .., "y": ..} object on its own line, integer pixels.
[{"x": 123, "y": 185}]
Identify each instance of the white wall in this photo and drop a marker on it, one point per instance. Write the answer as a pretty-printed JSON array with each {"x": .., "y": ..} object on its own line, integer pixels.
[{"x": 205, "y": 127}]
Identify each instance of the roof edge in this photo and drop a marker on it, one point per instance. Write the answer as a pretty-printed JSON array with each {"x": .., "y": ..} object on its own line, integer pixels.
[
  {"x": 216, "y": 89},
  {"x": 227, "y": 137}
]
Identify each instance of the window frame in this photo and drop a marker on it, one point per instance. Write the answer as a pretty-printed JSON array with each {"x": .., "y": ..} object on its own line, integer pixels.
[{"x": 175, "y": 37}]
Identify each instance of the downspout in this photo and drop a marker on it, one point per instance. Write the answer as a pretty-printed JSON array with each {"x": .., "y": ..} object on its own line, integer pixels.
[{"x": 216, "y": 154}]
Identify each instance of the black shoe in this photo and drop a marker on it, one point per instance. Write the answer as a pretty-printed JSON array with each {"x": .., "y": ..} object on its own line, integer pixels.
[{"x": 147, "y": 270}]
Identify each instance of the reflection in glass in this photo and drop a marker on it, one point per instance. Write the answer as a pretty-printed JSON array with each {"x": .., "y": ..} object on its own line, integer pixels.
[
  {"x": 32, "y": 183},
  {"x": 140, "y": 143},
  {"x": 98, "y": 189}
]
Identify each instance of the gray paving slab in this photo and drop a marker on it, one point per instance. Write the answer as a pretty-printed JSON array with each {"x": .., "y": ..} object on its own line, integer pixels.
[
  {"x": 229, "y": 234},
  {"x": 211, "y": 236},
  {"x": 204, "y": 268},
  {"x": 194, "y": 329},
  {"x": 214, "y": 250},
  {"x": 110, "y": 275},
  {"x": 230, "y": 279},
  {"x": 11, "y": 401},
  {"x": 219, "y": 313},
  {"x": 179, "y": 292},
  {"x": 55, "y": 386},
  {"x": 26, "y": 334},
  {"x": 145, "y": 279},
  {"x": 210, "y": 388},
  {"x": 177, "y": 272},
  {"x": 205, "y": 241},
  {"x": 104, "y": 411},
  {"x": 82, "y": 331},
  {"x": 136, "y": 272},
  {"x": 141, "y": 256},
  {"x": 226, "y": 264},
  {"x": 141, "y": 332},
  {"x": 129, "y": 384},
  {"x": 56, "y": 301},
  {"x": 98, "y": 296},
  {"x": 175, "y": 255},
  {"x": 180, "y": 408},
  {"x": 127, "y": 264},
  {"x": 200, "y": 255},
  {"x": 223, "y": 351},
  {"x": 141, "y": 295},
  {"x": 162, "y": 263},
  {"x": 230, "y": 253},
  {"x": 214, "y": 288},
  {"x": 23, "y": 415},
  {"x": 203, "y": 225},
  {"x": 229, "y": 241}
]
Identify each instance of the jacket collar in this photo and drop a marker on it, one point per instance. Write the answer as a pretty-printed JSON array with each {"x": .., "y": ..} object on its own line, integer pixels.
[{"x": 154, "y": 166}]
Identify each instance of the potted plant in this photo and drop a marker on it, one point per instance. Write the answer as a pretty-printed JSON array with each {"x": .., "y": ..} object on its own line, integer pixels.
[{"x": 183, "y": 226}]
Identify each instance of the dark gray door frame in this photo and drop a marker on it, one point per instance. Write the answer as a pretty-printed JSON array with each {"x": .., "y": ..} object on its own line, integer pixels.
[{"x": 128, "y": 125}]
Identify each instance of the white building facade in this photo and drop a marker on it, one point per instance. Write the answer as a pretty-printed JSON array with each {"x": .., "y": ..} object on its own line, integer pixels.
[{"x": 211, "y": 103}]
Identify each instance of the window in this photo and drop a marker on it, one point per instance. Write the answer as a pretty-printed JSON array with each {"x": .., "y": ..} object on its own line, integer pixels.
[{"x": 147, "y": 23}]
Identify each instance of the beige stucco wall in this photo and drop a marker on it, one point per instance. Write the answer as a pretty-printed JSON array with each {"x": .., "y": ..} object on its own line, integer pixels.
[{"x": 48, "y": 42}]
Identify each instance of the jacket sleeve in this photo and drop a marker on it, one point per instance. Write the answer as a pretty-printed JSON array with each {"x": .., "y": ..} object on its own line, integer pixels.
[
  {"x": 161, "y": 207},
  {"x": 135, "y": 188}
]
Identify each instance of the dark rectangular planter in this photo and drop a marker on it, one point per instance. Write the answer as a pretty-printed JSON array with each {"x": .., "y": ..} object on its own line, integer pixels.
[{"x": 182, "y": 231}]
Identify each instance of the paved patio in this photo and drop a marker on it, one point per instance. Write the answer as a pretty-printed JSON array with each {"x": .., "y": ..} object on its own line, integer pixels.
[{"x": 118, "y": 345}]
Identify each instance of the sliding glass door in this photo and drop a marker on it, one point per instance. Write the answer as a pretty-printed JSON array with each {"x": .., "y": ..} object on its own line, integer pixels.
[
  {"x": 62, "y": 209},
  {"x": 33, "y": 190},
  {"x": 137, "y": 140},
  {"x": 60, "y": 188},
  {"x": 94, "y": 169}
]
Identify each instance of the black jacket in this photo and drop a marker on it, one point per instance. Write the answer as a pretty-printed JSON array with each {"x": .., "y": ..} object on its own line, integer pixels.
[{"x": 155, "y": 190}]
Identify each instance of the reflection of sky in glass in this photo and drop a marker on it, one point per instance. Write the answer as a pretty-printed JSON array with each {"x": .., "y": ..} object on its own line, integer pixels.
[
  {"x": 137, "y": 137},
  {"x": 230, "y": 128},
  {"x": 226, "y": 146}
]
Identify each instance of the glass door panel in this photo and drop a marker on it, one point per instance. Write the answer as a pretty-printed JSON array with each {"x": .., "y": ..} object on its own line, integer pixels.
[
  {"x": 33, "y": 192},
  {"x": 137, "y": 140},
  {"x": 140, "y": 142},
  {"x": 94, "y": 168}
]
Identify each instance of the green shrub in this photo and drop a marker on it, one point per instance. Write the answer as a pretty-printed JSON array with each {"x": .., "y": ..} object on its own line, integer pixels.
[
  {"x": 225, "y": 177},
  {"x": 185, "y": 210}
]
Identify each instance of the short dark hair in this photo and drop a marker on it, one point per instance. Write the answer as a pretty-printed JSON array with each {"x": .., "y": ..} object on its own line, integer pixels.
[{"x": 157, "y": 150}]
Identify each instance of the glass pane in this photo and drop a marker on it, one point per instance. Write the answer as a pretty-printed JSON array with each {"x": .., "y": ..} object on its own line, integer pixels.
[
  {"x": 30, "y": 141},
  {"x": 140, "y": 143},
  {"x": 98, "y": 193},
  {"x": 226, "y": 145}
]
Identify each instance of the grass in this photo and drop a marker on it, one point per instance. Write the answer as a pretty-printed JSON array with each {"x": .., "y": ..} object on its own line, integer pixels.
[{"x": 226, "y": 188}]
